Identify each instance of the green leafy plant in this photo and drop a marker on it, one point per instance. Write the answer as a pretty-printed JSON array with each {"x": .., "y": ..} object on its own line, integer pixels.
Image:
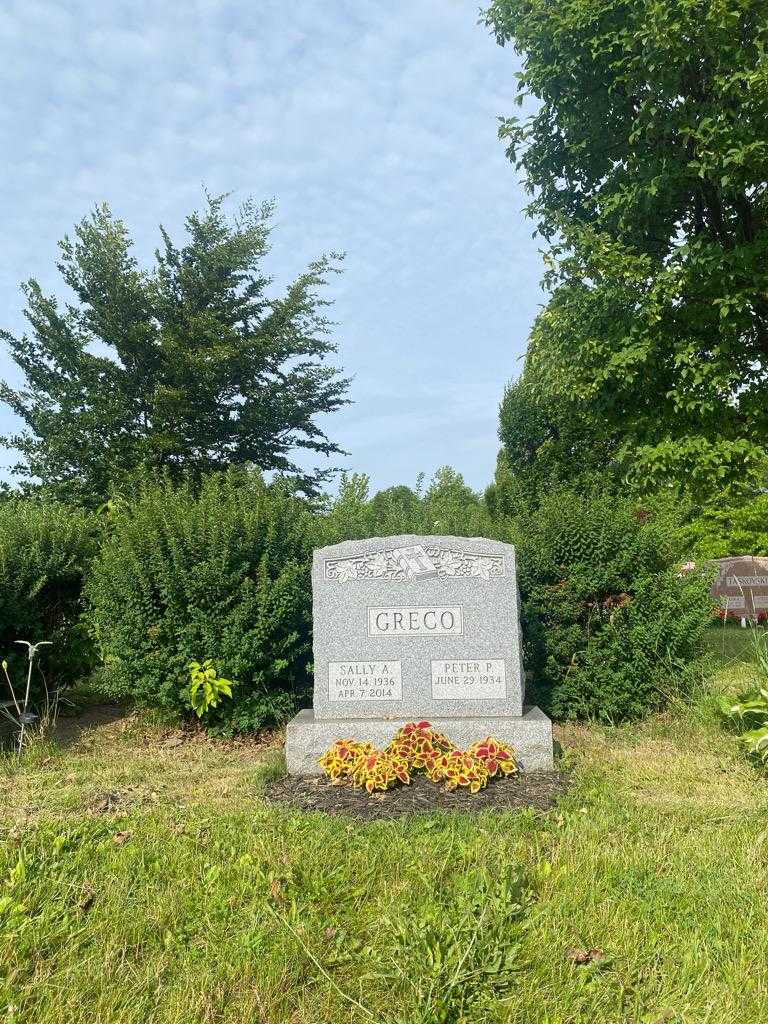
[
  {"x": 206, "y": 688},
  {"x": 221, "y": 568},
  {"x": 14, "y": 913},
  {"x": 749, "y": 714},
  {"x": 447, "y": 505},
  {"x": 45, "y": 551},
  {"x": 612, "y": 626},
  {"x": 645, "y": 159},
  {"x": 728, "y": 526}
]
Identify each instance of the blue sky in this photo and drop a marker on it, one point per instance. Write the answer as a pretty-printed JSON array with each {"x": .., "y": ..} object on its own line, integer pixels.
[{"x": 373, "y": 125}]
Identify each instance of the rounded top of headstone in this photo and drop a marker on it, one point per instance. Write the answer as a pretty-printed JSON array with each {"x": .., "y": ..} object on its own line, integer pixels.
[{"x": 369, "y": 545}]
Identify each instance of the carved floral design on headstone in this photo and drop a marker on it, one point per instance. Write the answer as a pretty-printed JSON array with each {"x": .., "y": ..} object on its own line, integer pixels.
[
  {"x": 449, "y": 563},
  {"x": 414, "y": 563},
  {"x": 378, "y": 565},
  {"x": 347, "y": 570},
  {"x": 483, "y": 567}
]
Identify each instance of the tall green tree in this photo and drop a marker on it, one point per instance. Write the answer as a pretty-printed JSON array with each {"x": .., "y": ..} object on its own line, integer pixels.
[
  {"x": 548, "y": 442},
  {"x": 190, "y": 366},
  {"x": 647, "y": 163}
]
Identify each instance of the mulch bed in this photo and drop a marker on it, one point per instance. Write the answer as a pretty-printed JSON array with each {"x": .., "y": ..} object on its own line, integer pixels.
[{"x": 539, "y": 790}]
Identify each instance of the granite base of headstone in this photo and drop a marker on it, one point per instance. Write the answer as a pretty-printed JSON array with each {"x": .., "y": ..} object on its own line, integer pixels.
[{"x": 415, "y": 628}]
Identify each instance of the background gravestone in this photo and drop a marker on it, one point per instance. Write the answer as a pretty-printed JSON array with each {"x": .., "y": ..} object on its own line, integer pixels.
[
  {"x": 741, "y": 586},
  {"x": 417, "y": 628}
]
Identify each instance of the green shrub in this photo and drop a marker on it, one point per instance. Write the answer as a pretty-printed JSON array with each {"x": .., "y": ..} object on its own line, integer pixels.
[
  {"x": 447, "y": 506},
  {"x": 44, "y": 551},
  {"x": 611, "y": 625},
  {"x": 220, "y": 572},
  {"x": 729, "y": 526}
]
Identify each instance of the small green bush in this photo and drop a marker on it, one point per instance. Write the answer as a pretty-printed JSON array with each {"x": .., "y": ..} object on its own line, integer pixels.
[
  {"x": 45, "y": 548},
  {"x": 611, "y": 626},
  {"x": 728, "y": 526},
  {"x": 217, "y": 572},
  {"x": 447, "y": 506}
]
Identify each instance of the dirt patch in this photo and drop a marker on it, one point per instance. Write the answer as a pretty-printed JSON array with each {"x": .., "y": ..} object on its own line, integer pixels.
[
  {"x": 107, "y": 722},
  {"x": 70, "y": 729},
  {"x": 539, "y": 790}
]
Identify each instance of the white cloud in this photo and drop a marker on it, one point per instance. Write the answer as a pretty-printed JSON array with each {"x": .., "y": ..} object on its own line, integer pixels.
[{"x": 372, "y": 123}]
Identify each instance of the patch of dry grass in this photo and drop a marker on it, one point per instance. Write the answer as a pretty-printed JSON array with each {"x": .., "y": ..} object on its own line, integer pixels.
[{"x": 108, "y": 755}]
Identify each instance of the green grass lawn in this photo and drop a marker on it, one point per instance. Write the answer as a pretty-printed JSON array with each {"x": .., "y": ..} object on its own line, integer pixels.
[{"x": 146, "y": 882}]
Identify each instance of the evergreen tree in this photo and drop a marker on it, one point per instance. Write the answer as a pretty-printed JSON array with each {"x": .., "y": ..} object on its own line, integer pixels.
[{"x": 191, "y": 366}]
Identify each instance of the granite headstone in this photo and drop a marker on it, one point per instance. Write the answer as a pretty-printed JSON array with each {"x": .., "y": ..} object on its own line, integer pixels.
[
  {"x": 741, "y": 586},
  {"x": 417, "y": 628}
]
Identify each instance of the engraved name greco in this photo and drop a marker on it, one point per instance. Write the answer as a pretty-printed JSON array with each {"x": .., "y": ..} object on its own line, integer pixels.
[
  {"x": 440, "y": 621},
  {"x": 416, "y": 563}
]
